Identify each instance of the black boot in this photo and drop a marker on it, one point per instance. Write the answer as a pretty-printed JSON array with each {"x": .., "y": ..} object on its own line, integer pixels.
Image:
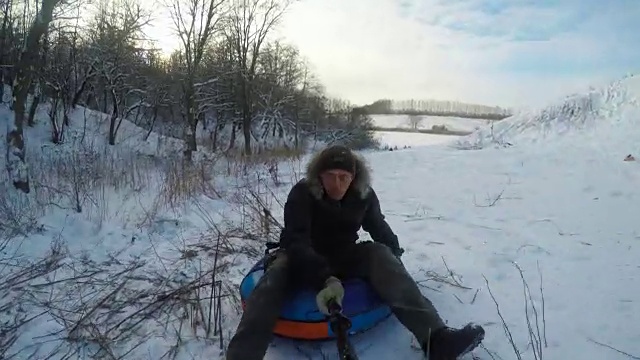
[{"x": 449, "y": 344}]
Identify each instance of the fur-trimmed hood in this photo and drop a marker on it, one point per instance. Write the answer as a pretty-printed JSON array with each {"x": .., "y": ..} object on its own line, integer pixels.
[{"x": 361, "y": 182}]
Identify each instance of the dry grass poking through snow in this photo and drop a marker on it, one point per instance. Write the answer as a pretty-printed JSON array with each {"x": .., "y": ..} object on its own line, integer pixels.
[
  {"x": 534, "y": 317},
  {"x": 121, "y": 303},
  {"x": 534, "y": 314}
]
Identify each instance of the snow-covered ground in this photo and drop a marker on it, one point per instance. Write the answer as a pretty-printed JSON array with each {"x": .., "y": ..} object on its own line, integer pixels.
[
  {"x": 562, "y": 208},
  {"x": 427, "y": 121},
  {"x": 564, "y": 212},
  {"x": 401, "y": 139},
  {"x": 123, "y": 242}
]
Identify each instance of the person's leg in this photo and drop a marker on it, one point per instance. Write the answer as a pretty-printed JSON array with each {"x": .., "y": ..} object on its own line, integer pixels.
[
  {"x": 376, "y": 263},
  {"x": 262, "y": 309},
  {"x": 387, "y": 275}
]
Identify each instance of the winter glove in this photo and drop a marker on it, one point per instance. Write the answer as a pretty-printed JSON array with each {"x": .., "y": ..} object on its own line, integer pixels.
[{"x": 332, "y": 291}]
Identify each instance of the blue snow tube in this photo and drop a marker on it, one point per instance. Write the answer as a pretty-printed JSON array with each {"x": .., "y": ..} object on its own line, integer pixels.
[{"x": 300, "y": 318}]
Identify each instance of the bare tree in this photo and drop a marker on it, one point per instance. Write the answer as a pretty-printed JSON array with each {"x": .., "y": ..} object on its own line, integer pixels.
[
  {"x": 196, "y": 23},
  {"x": 117, "y": 29},
  {"x": 158, "y": 98},
  {"x": 59, "y": 73},
  {"x": 281, "y": 80},
  {"x": 5, "y": 45},
  {"x": 415, "y": 121},
  {"x": 16, "y": 152},
  {"x": 38, "y": 82},
  {"x": 217, "y": 98},
  {"x": 249, "y": 24}
]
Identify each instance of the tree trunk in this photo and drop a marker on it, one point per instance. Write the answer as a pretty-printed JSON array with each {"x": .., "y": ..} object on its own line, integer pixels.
[
  {"x": 34, "y": 105},
  {"x": 246, "y": 131},
  {"x": 114, "y": 118},
  {"x": 156, "y": 108},
  {"x": 246, "y": 115},
  {"x": 16, "y": 152},
  {"x": 191, "y": 123}
]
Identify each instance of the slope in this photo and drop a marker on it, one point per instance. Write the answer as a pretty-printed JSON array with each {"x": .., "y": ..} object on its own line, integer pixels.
[
  {"x": 117, "y": 242},
  {"x": 608, "y": 111},
  {"x": 570, "y": 214},
  {"x": 565, "y": 214}
]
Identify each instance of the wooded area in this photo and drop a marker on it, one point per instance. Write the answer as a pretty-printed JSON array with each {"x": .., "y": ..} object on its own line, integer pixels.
[{"x": 228, "y": 77}]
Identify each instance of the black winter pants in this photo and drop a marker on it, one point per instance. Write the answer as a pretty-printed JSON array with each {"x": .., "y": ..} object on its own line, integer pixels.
[{"x": 372, "y": 261}]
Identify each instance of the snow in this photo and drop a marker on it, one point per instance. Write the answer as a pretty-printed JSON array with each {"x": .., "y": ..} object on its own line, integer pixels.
[
  {"x": 427, "y": 121},
  {"x": 599, "y": 112},
  {"x": 564, "y": 212},
  {"x": 402, "y": 139}
]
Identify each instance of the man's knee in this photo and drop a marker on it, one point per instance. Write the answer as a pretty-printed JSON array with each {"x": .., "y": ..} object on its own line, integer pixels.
[
  {"x": 277, "y": 268},
  {"x": 375, "y": 251},
  {"x": 369, "y": 257}
]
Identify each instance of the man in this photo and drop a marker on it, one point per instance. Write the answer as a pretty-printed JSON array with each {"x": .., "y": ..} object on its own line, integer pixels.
[{"x": 322, "y": 216}]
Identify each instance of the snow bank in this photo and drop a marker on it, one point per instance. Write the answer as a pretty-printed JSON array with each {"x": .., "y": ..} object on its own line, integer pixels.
[{"x": 610, "y": 110}]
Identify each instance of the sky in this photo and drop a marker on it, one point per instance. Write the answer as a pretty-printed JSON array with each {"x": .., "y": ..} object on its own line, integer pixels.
[{"x": 510, "y": 53}]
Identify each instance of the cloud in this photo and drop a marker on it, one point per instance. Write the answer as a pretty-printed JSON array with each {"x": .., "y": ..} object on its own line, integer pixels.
[{"x": 503, "y": 52}]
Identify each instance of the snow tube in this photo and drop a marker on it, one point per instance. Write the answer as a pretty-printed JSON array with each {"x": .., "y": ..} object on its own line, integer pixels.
[{"x": 300, "y": 318}]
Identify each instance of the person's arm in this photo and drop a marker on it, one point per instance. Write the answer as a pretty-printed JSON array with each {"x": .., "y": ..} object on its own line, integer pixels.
[
  {"x": 375, "y": 224},
  {"x": 306, "y": 264}
]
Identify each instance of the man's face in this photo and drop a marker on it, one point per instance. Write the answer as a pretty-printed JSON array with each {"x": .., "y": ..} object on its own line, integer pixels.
[{"x": 336, "y": 183}]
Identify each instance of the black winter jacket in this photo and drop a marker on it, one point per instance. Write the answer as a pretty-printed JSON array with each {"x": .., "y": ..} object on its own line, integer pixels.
[{"x": 316, "y": 228}]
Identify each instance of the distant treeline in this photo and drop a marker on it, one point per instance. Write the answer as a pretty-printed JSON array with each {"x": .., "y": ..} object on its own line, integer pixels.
[{"x": 437, "y": 108}]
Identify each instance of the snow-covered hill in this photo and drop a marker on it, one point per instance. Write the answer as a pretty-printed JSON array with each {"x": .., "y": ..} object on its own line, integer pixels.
[{"x": 599, "y": 113}]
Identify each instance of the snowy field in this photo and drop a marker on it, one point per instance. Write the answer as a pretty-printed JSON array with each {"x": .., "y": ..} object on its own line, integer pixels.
[
  {"x": 400, "y": 139},
  {"x": 545, "y": 193},
  {"x": 427, "y": 121}
]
